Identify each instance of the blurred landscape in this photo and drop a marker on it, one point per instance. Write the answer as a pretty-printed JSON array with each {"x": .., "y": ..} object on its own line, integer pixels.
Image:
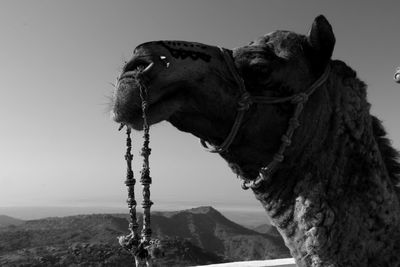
[{"x": 190, "y": 237}]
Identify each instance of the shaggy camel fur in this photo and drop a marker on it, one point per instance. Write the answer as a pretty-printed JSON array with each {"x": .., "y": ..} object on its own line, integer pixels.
[{"x": 335, "y": 197}]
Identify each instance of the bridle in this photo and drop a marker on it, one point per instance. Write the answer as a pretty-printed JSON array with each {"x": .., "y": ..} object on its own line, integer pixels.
[
  {"x": 244, "y": 103},
  {"x": 140, "y": 245}
]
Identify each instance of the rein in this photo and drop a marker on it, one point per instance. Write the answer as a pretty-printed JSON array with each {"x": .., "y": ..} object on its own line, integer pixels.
[
  {"x": 244, "y": 103},
  {"x": 140, "y": 245}
]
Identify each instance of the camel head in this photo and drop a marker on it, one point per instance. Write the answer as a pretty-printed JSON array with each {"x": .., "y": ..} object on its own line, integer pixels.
[
  {"x": 182, "y": 78},
  {"x": 191, "y": 85}
]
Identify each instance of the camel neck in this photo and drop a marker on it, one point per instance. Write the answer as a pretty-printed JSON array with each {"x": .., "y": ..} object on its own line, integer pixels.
[{"x": 306, "y": 209}]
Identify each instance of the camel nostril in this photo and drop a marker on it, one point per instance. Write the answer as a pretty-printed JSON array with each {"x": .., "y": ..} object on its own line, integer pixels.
[{"x": 137, "y": 64}]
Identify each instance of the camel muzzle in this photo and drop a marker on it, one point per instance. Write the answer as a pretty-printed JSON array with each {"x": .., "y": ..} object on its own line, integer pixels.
[{"x": 140, "y": 64}]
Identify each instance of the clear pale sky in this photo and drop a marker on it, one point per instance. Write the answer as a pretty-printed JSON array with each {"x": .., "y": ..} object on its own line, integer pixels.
[{"x": 58, "y": 59}]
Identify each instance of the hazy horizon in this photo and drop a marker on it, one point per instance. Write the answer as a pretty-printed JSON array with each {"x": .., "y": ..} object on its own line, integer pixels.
[
  {"x": 59, "y": 58},
  {"x": 244, "y": 215}
]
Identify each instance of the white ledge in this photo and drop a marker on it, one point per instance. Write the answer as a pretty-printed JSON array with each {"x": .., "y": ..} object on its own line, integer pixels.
[{"x": 288, "y": 262}]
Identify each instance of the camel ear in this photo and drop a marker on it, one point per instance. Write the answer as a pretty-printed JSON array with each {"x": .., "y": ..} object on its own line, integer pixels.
[{"x": 321, "y": 42}]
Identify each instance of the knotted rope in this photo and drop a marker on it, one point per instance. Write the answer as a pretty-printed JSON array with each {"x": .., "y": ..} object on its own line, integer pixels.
[
  {"x": 140, "y": 245},
  {"x": 299, "y": 100},
  {"x": 244, "y": 103}
]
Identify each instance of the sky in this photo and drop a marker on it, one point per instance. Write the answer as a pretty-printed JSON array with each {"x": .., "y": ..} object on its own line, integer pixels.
[{"x": 59, "y": 59}]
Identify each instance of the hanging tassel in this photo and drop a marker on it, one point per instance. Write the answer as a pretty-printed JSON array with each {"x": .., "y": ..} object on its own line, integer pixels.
[{"x": 141, "y": 246}]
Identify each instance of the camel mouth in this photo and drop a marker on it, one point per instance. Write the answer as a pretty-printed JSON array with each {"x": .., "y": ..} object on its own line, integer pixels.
[
  {"x": 127, "y": 103},
  {"x": 143, "y": 72},
  {"x": 126, "y": 100}
]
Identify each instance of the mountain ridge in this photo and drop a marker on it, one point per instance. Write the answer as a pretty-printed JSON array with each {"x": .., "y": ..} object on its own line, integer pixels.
[
  {"x": 194, "y": 236},
  {"x": 8, "y": 220}
]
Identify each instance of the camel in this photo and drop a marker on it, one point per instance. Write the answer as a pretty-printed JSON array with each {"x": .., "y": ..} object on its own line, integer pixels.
[{"x": 319, "y": 162}]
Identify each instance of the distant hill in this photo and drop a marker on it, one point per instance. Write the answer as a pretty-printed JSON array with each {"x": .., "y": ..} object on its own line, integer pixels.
[
  {"x": 266, "y": 229},
  {"x": 210, "y": 230},
  {"x": 7, "y": 221},
  {"x": 195, "y": 236}
]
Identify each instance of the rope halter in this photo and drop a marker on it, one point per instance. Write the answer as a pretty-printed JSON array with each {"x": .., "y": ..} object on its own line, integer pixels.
[
  {"x": 246, "y": 100},
  {"x": 140, "y": 245}
]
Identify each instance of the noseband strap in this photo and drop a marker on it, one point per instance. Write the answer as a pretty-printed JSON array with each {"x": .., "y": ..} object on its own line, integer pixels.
[{"x": 244, "y": 103}]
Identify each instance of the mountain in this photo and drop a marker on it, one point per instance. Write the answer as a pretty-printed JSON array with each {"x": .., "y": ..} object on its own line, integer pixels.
[
  {"x": 7, "y": 221},
  {"x": 266, "y": 229},
  {"x": 210, "y": 230},
  {"x": 189, "y": 237}
]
